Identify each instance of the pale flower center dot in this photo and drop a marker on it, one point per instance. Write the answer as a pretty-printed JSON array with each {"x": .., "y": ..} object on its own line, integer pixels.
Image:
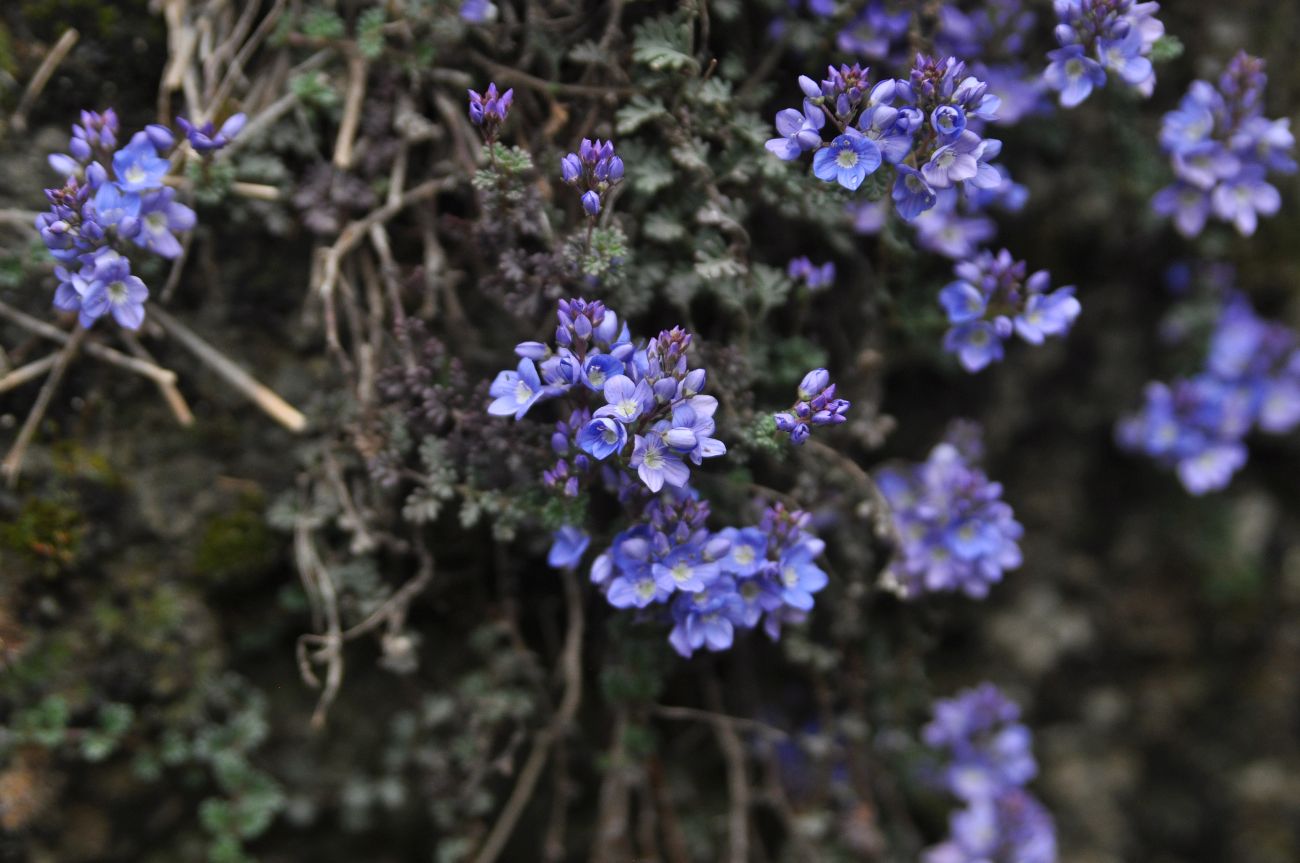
[
  {"x": 610, "y": 435},
  {"x": 1074, "y": 68},
  {"x": 979, "y": 337},
  {"x": 681, "y": 572},
  {"x": 646, "y": 589},
  {"x": 523, "y": 392},
  {"x": 790, "y": 576},
  {"x": 156, "y": 222},
  {"x": 627, "y": 408},
  {"x": 117, "y": 292},
  {"x": 700, "y": 598},
  {"x": 654, "y": 459},
  {"x": 597, "y": 377},
  {"x": 846, "y": 158},
  {"x": 135, "y": 174},
  {"x": 745, "y": 555}
]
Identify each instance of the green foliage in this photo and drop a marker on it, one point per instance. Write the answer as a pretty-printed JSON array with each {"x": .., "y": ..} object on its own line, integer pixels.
[
  {"x": 237, "y": 543},
  {"x": 321, "y": 23},
  {"x": 1168, "y": 47},
  {"x": 370, "y": 32},
  {"x": 663, "y": 44}
]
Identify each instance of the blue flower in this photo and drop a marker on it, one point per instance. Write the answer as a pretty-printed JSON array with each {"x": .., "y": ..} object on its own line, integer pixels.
[
  {"x": 602, "y": 437},
  {"x": 635, "y": 589},
  {"x": 113, "y": 289},
  {"x": 656, "y": 464},
  {"x": 948, "y": 120},
  {"x": 161, "y": 217},
  {"x": 598, "y": 369},
  {"x": 515, "y": 392},
  {"x": 206, "y": 139},
  {"x": 912, "y": 194},
  {"x": 138, "y": 166},
  {"x": 1073, "y": 75},
  {"x": 567, "y": 547},
  {"x": 800, "y": 578},
  {"x": 707, "y": 618},
  {"x": 976, "y": 344},
  {"x": 847, "y": 160},
  {"x": 683, "y": 569},
  {"x": 627, "y": 401},
  {"x": 799, "y": 130}
]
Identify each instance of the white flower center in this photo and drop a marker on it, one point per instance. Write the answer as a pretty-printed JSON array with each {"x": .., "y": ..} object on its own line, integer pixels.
[
  {"x": 117, "y": 292},
  {"x": 681, "y": 571},
  {"x": 523, "y": 392},
  {"x": 846, "y": 158},
  {"x": 745, "y": 555}
]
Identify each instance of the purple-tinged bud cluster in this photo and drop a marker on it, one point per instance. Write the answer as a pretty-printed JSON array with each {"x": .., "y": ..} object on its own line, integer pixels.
[
  {"x": 711, "y": 584},
  {"x": 925, "y": 128},
  {"x": 987, "y": 757},
  {"x": 489, "y": 110},
  {"x": 477, "y": 11},
  {"x": 992, "y": 299},
  {"x": 111, "y": 200},
  {"x": 1222, "y": 148},
  {"x": 816, "y": 406},
  {"x": 991, "y": 37},
  {"x": 955, "y": 532},
  {"x": 205, "y": 139},
  {"x": 1100, "y": 36},
  {"x": 813, "y": 276},
  {"x": 594, "y": 170},
  {"x": 653, "y": 407},
  {"x": 1198, "y": 425}
]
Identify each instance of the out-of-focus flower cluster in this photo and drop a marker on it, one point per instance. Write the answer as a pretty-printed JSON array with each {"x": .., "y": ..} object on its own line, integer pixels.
[
  {"x": 113, "y": 200},
  {"x": 987, "y": 758},
  {"x": 594, "y": 170},
  {"x": 1222, "y": 148},
  {"x": 992, "y": 299},
  {"x": 1197, "y": 425},
  {"x": 1101, "y": 36},
  {"x": 955, "y": 532}
]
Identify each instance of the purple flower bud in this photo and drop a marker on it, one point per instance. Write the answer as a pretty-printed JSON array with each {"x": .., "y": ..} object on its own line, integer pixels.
[
  {"x": 799, "y": 434},
  {"x": 582, "y": 327},
  {"x": 570, "y": 168},
  {"x": 591, "y": 203},
  {"x": 813, "y": 382},
  {"x": 571, "y": 487},
  {"x": 615, "y": 169},
  {"x": 96, "y": 175},
  {"x": 535, "y": 351},
  {"x": 810, "y": 88},
  {"x": 80, "y": 149},
  {"x": 784, "y": 421},
  {"x": 560, "y": 443},
  {"x": 160, "y": 136},
  {"x": 63, "y": 164},
  {"x": 693, "y": 383},
  {"x": 665, "y": 390}
]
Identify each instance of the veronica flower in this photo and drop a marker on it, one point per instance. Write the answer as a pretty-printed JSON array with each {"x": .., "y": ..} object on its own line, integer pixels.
[
  {"x": 952, "y": 163},
  {"x": 1242, "y": 200},
  {"x": 627, "y": 401},
  {"x": 138, "y": 166},
  {"x": 683, "y": 569},
  {"x": 115, "y": 290},
  {"x": 847, "y": 160},
  {"x": 1188, "y": 205},
  {"x": 160, "y": 215},
  {"x": 515, "y": 392},
  {"x": 206, "y": 139},
  {"x": 598, "y": 369},
  {"x": 602, "y": 437},
  {"x": 912, "y": 194},
  {"x": 800, "y": 578},
  {"x": 635, "y": 589},
  {"x": 656, "y": 464},
  {"x": 799, "y": 131},
  {"x": 1073, "y": 75},
  {"x": 706, "y": 618},
  {"x": 567, "y": 547},
  {"x": 1047, "y": 315},
  {"x": 976, "y": 344}
]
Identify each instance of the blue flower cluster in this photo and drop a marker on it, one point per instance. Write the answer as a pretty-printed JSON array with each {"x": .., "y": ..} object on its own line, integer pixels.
[
  {"x": 653, "y": 401},
  {"x": 1222, "y": 147},
  {"x": 114, "y": 199},
  {"x": 955, "y": 533},
  {"x": 1197, "y": 425},
  {"x": 991, "y": 37},
  {"x": 1097, "y": 36},
  {"x": 711, "y": 584},
  {"x": 992, "y": 299},
  {"x": 931, "y": 126},
  {"x": 988, "y": 759},
  {"x": 488, "y": 110},
  {"x": 595, "y": 169},
  {"x": 813, "y": 276},
  {"x": 816, "y": 406}
]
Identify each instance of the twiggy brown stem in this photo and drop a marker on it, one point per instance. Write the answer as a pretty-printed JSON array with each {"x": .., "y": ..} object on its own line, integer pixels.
[
  {"x": 13, "y": 463},
  {"x": 42, "y": 77},
  {"x": 571, "y": 670},
  {"x": 179, "y": 407}
]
